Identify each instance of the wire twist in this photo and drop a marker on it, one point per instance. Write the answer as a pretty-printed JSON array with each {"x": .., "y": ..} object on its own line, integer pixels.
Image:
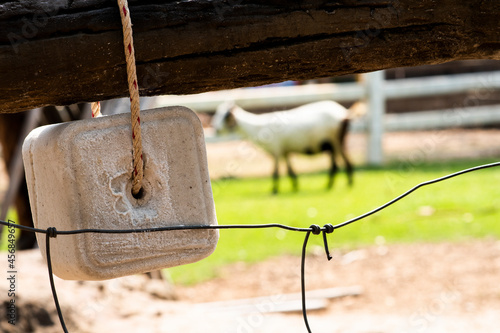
[{"x": 138, "y": 173}]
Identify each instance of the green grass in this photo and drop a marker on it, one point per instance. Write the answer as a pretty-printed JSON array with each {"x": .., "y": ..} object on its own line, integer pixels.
[
  {"x": 460, "y": 208},
  {"x": 11, "y": 215}
]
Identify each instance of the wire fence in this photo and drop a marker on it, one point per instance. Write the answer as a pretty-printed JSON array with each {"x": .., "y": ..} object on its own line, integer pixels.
[{"x": 314, "y": 229}]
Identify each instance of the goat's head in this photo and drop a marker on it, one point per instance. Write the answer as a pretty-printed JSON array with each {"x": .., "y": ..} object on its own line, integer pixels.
[{"x": 223, "y": 120}]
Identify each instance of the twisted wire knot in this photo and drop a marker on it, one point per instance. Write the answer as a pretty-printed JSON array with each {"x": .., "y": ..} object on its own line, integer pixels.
[
  {"x": 328, "y": 228},
  {"x": 52, "y": 232},
  {"x": 316, "y": 229}
]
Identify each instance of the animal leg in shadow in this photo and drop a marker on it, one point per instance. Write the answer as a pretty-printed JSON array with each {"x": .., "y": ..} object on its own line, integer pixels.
[
  {"x": 333, "y": 170},
  {"x": 291, "y": 173},
  {"x": 348, "y": 167},
  {"x": 276, "y": 175},
  {"x": 341, "y": 149}
]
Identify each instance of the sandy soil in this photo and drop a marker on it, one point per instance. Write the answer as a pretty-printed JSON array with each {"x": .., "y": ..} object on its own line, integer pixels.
[{"x": 405, "y": 288}]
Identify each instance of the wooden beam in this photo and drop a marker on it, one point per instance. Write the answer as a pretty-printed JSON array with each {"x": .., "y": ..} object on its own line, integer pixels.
[{"x": 57, "y": 52}]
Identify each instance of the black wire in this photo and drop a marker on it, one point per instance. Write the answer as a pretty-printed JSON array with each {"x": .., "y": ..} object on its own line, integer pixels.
[
  {"x": 8, "y": 224},
  {"x": 303, "y": 281},
  {"x": 433, "y": 181},
  {"x": 51, "y": 278},
  {"x": 178, "y": 227}
]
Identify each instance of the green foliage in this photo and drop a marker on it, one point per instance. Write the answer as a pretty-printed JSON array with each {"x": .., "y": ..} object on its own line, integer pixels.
[{"x": 463, "y": 207}]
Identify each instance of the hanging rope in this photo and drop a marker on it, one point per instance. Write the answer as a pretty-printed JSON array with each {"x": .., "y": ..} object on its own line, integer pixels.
[
  {"x": 133, "y": 88},
  {"x": 96, "y": 109}
]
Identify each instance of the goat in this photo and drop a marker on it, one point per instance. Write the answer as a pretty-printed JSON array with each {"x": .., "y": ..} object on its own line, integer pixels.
[{"x": 312, "y": 128}]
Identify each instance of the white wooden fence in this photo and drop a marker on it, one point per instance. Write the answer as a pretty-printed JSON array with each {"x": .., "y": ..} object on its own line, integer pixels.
[{"x": 376, "y": 91}]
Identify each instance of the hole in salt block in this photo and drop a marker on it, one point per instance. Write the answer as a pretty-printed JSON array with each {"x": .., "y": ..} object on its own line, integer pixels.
[{"x": 139, "y": 195}]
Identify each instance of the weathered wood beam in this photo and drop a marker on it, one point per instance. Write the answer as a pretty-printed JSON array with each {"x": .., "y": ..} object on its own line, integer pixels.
[{"x": 56, "y": 52}]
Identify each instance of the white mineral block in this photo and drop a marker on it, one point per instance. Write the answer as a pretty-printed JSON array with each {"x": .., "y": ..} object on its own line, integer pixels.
[{"x": 79, "y": 177}]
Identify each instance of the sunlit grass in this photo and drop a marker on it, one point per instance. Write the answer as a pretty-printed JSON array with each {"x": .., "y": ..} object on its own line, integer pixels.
[
  {"x": 460, "y": 208},
  {"x": 11, "y": 215}
]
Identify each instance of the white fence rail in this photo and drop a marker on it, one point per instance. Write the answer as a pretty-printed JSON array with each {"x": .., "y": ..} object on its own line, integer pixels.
[{"x": 376, "y": 91}]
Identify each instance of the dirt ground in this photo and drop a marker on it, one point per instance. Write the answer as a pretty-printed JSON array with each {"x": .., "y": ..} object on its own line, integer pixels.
[
  {"x": 446, "y": 287},
  {"x": 404, "y": 288}
]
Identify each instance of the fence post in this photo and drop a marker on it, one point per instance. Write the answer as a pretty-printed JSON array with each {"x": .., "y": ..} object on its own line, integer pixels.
[{"x": 376, "y": 109}]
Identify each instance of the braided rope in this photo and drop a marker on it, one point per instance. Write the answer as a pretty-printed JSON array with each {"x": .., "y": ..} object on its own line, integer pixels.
[
  {"x": 133, "y": 88},
  {"x": 96, "y": 109}
]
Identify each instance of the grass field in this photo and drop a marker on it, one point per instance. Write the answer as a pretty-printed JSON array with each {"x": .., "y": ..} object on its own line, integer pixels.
[
  {"x": 11, "y": 215},
  {"x": 464, "y": 207}
]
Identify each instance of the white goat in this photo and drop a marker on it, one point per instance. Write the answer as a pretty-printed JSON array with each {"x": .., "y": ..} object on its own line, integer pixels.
[{"x": 310, "y": 129}]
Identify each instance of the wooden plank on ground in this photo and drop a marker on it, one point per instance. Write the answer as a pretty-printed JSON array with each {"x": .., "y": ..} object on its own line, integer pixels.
[{"x": 315, "y": 300}]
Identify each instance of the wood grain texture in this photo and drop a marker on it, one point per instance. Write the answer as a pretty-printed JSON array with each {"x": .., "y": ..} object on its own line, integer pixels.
[{"x": 57, "y": 52}]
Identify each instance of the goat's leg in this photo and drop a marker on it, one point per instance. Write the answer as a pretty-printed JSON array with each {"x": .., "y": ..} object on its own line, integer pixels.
[
  {"x": 291, "y": 173},
  {"x": 348, "y": 167},
  {"x": 341, "y": 150},
  {"x": 276, "y": 175},
  {"x": 333, "y": 168}
]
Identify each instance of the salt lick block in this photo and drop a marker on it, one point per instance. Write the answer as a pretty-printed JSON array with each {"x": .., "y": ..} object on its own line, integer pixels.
[{"x": 79, "y": 177}]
